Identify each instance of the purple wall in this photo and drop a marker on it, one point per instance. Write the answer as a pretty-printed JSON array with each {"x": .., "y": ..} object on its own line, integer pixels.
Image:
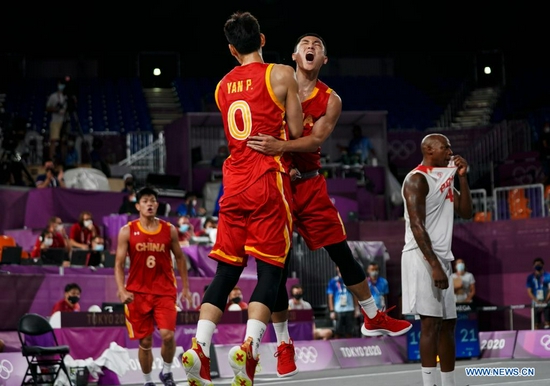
[{"x": 499, "y": 254}]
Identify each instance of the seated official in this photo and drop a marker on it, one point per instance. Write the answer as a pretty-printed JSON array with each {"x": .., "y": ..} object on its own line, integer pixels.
[
  {"x": 83, "y": 231},
  {"x": 69, "y": 303}
]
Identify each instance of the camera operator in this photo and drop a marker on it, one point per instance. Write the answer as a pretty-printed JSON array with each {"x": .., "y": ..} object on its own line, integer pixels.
[
  {"x": 50, "y": 178},
  {"x": 57, "y": 105}
]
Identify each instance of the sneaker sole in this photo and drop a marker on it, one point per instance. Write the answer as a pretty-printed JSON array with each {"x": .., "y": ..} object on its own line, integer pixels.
[
  {"x": 241, "y": 379},
  {"x": 286, "y": 375},
  {"x": 380, "y": 332},
  {"x": 235, "y": 366},
  {"x": 190, "y": 369}
]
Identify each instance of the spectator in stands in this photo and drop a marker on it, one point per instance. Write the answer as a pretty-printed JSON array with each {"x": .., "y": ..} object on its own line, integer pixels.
[
  {"x": 83, "y": 231},
  {"x": 59, "y": 238},
  {"x": 297, "y": 302},
  {"x": 128, "y": 183},
  {"x": 463, "y": 282},
  {"x": 51, "y": 178},
  {"x": 545, "y": 152},
  {"x": 97, "y": 249},
  {"x": 128, "y": 205},
  {"x": 57, "y": 106},
  {"x": 210, "y": 223},
  {"x": 359, "y": 149},
  {"x": 537, "y": 289},
  {"x": 235, "y": 300},
  {"x": 379, "y": 287},
  {"x": 189, "y": 207},
  {"x": 43, "y": 242},
  {"x": 69, "y": 303},
  {"x": 341, "y": 304},
  {"x": 185, "y": 231},
  {"x": 223, "y": 153}
]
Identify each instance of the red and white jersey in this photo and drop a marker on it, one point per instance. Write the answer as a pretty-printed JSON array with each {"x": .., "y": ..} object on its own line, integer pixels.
[
  {"x": 151, "y": 269},
  {"x": 439, "y": 210}
]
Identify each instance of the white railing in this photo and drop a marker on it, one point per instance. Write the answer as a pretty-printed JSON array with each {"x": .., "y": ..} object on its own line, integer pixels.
[
  {"x": 519, "y": 202},
  {"x": 145, "y": 155}
]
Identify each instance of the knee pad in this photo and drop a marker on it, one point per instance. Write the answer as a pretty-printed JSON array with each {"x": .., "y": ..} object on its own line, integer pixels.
[
  {"x": 224, "y": 281},
  {"x": 351, "y": 271},
  {"x": 267, "y": 288},
  {"x": 281, "y": 303}
]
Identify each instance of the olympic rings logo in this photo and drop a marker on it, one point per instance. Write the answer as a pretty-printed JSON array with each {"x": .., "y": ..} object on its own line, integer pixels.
[
  {"x": 306, "y": 354},
  {"x": 525, "y": 175},
  {"x": 401, "y": 149},
  {"x": 545, "y": 342},
  {"x": 6, "y": 368}
]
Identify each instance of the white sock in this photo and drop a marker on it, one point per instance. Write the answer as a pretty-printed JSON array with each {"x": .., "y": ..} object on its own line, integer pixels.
[
  {"x": 448, "y": 378},
  {"x": 428, "y": 376},
  {"x": 166, "y": 367},
  {"x": 256, "y": 330},
  {"x": 369, "y": 306},
  {"x": 205, "y": 330},
  {"x": 281, "y": 331},
  {"x": 148, "y": 377}
]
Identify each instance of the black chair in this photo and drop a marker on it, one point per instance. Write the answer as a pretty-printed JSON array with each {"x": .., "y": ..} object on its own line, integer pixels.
[{"x": 40, "y": 348}]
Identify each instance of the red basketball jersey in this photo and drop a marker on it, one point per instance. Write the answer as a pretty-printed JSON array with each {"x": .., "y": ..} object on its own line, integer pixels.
[
  {"x": 151, "y": 269},
  {"x": 314, "y": 107},
  {"x": 248, "y": 107}
]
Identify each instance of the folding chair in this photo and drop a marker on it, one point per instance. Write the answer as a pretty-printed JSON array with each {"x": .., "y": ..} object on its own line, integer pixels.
[{"x": 40, "y": 348}]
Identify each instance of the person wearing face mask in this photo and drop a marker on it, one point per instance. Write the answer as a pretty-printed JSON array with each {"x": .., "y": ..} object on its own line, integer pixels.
[
  {"x": 379, "y": 287},
  {"x": 463, "y": 282},
  {"x": 58, "y": 236},
  {"x": 297, "y": 302},
  {"x": 537, "y": 289},
  {"x": 69, "y": 303},
  {"x": 235, "y": 301},
  {"x": 57, "y": 107},
  {"x": 83, "y": 231},
  {"x": 185, "y": 231},
  {"x": 128, "y": 205},
  {"x": 128, "y": 183},
  {"x": 43, "y": 242}
]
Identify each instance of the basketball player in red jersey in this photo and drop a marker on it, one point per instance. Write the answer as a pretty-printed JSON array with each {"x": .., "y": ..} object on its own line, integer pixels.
[
  {"x": 316, "y": 218},
  {"x": 254, "y": 218},
  {"x": 150, "y": 292}
]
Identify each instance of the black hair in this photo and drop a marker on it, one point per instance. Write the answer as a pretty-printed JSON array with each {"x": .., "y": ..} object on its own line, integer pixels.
[
  {"x": 242, "y": 31},
  {"x": 146, "y": 191},
  {"x": 538, "y": 260},
  {"x": 44, "y": 232},
  {"x": 312, "y": 34},
  {"x": 72, "y": 286}
]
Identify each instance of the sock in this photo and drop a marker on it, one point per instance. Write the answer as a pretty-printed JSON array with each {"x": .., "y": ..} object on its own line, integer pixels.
[
  {"x": 281, "y": 331},
  {"x": 166, "y": 367},
  {"x": 205, "y": 330},
  {"x": 369, "y": 306},
  {"x": 256, "y": 330},
  {"x": 148, "y": 377},
  {"x": 448, "y": 378},
  {"x": 428, "y": 376}
]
